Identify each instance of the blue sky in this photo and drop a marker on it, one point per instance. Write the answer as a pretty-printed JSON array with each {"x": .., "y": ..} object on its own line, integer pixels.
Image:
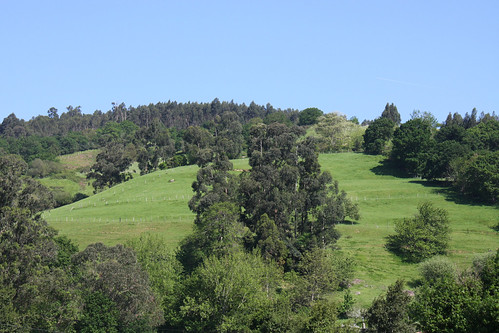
[{"x": 346, "y": 56}]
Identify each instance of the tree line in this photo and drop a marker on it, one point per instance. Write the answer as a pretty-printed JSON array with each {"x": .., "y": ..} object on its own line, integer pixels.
[{"x": 462, "y": 151}]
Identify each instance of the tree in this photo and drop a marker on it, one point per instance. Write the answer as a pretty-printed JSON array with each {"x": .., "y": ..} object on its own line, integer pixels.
[
  {"x": 116, "y": 273},
  {"x": 269, "y": 241},
  {"x": 110, "y": 166},
  {"x": 323, "y": 315},
  {"x": 52, "y": 113},
  {"x": 484, "y": 136},
  {"x": 425, "y": 116},
  {"x": 440, "y": 157},
  {"x": 100, "y": 314},
  {"x": 309, "y": 116},
  {"x": 217, "y": 231},
  {"x": 391, "y": 112},
  {"x": 377, "y": 135},
  {"x": 323, "y": 271},
  {"x": 228, "y": 294},
  {"x": 390, "y": 313},
  {"x": 478, "y": 177},
  {"x": 229, "y": 135},
  {"x": 410, "y": 143},
  {"x": 339, "y": 133},
  {"x": 154, "y": 145},
  {"x": 287, "y": 184},
  {"x": 462, "y": 303},
  {"x": 17, "y": 191},
  {"x": 423, "y": 236},
  {"x": 198, "y": 145},
  {"x": 38, "y": 293},
  {"x": 158, "y": 260}
]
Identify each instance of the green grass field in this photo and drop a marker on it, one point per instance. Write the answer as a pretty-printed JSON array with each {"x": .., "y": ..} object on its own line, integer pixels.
[
  {"x": 71, "y": 180},
  {"x": 154, "y": 204}
]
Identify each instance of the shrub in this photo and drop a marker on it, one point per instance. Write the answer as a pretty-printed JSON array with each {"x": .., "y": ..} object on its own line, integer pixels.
[
  {"x": 437, "y": 268},
  {"x": 423, "y": 236}
]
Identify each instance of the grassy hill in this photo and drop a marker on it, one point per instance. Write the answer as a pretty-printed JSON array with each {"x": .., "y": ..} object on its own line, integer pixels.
[
  {"x": 71, "y": 179},
  {"x": 153, "y": 203}
]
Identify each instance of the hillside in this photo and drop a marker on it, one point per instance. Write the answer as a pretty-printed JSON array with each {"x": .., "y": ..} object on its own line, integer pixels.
[{"x": 154, "y": 203}]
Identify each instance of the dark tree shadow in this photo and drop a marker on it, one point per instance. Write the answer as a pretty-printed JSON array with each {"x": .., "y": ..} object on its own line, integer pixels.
[
  {"x": 389, "y": 168},
  {"x": 348, "y": 222},
  {"x": 446, "y": 189}
]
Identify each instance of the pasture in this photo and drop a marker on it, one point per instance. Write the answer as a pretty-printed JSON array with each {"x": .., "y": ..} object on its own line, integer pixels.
[{"x": 154, "y": 203}]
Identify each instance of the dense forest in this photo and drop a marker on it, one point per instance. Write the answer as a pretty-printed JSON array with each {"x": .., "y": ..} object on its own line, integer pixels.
[{"x": 263, "y": 254}]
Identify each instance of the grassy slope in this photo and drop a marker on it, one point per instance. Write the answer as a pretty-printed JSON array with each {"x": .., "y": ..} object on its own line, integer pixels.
[
  {"x": 383, "y": 199},
  {"x": 73, "y": 181},
  {"x": 153, "y": 204}
]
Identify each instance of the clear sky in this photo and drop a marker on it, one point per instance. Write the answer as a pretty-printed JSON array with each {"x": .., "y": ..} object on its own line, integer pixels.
[{"x": 346, "y": 56}]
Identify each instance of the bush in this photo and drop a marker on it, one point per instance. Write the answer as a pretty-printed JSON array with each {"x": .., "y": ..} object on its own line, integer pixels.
[
  {"x": 391, "y": 313},
  {"x": 423, "y": 236},
  {"x": 437, "y": 268},
  {"x": 40, "y": 169}
]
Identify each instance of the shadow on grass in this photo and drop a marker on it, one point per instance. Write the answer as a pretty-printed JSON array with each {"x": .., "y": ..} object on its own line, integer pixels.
[
  {"x": 450, "y": 194},
  {"x": 348, "y": 222},
  {"x": 388, "y": 168}
]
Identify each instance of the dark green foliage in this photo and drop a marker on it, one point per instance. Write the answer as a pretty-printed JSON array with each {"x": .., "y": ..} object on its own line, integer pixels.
[
  {"x": 377, "y": 135},
  {"x": 390, "y": 313},
  {"x": 116, "y": 273},
  {"x": 99, "y": 314},
  {"x": 287, "y": 185},
  {"x": 470, "y": 120},
  {"x": 467, "y": 303},
  {"x": 269, "y": 241},
  {"x": 410, "y": 142},
  {"x": 37, "y": 293},
  {"x": 213, "y": 184},
  {"x": 450, "y": 133},
  {"x": 154, "y": 145},
  {"x": 391, "y": 112},
  {"x": 423, "y": 236},
  {"x": 478, "y": 177},
  {"x": 11, "y": 170},
  {"x": 40, "y": 169},
  {"x": 217, "y": 231},
  {"x": 228, "y": 135},
  {"x": 439, "y": 159},
  {"x": 278, "y": 117},
  {"x": 110, "y": 166},
  {"x": 323, "y": 316},
  {"x": 198, "y": 142},
  {"x": 484, "y": 136},
  {"x": 19, "y": 191},
  {"x": 12, "y": 127},
  {"x": 164, "y": 270},
  {"x": 323, "y": 271},
  {"x": 228, "y": 294},
  {"x": 347, "y": 304},
  {"x": 309, "y": 116},
  {"x": 65, "y": 250},
  {"x": 454, "y": 120}
]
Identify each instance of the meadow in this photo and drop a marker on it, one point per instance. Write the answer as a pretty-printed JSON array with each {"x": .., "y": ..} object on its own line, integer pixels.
[{"x": 157, "y": 203}]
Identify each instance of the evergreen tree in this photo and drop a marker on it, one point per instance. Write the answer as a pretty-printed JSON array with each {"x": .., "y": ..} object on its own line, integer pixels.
[
  {"x": 390, "y": 313},
  {"x": 391, "y": 112}
]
